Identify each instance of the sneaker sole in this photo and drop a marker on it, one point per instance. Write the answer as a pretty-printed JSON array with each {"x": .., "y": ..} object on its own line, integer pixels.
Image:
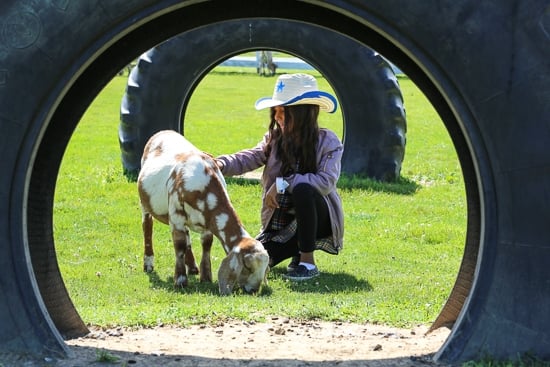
[{"x": 300, "y": 279}]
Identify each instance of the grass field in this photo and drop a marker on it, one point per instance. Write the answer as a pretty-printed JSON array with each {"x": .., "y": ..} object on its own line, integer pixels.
[{"x": 403, "y": 241}]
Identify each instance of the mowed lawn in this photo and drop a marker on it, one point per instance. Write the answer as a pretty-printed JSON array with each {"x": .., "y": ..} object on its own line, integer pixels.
[{"x": 403, "y": 241}]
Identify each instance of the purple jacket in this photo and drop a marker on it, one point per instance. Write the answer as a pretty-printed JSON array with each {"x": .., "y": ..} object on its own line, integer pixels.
[{"x": 329, "y": 156}]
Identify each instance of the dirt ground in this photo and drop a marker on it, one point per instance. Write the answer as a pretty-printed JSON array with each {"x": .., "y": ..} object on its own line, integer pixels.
[{"x": 279, "y": 342}]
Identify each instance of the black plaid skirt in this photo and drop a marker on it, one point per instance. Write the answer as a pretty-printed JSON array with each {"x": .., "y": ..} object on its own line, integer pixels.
[{"x": 282, "y": 226}]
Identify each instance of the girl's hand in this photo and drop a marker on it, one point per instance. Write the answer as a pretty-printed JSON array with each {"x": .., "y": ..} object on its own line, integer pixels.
[
  {"x": 219, "y": 163},
  {"x": 271, "y": 197}
]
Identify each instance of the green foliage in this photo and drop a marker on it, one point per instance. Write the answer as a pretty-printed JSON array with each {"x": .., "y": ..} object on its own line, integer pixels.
[
  {"x": 524, "y": 360},
  {"x": 403, "y": 240},
  {"x": 103, "y": 356}
]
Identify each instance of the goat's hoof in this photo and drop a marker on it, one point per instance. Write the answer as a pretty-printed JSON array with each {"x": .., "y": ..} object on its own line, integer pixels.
[
  {"x": 193, "y": 270},
  {"x": 249, "y": 290},
  {"x": 180, "y": 282},
  {"x": 148, "y": 262},
  {"x": 226, "y": 291}
]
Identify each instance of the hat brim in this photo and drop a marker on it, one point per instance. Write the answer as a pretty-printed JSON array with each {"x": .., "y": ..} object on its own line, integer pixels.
[{"x": 325, "y": 101}]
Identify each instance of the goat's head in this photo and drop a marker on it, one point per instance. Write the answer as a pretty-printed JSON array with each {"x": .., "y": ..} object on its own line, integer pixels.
[{"x": 246, "y": 264}]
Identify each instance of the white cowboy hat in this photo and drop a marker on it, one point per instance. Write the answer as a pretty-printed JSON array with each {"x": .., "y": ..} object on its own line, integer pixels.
[{"x": 293, "y": 89}]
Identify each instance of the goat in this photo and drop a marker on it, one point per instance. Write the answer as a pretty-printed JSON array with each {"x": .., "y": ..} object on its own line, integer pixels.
[{"x": 183, "y": 187}]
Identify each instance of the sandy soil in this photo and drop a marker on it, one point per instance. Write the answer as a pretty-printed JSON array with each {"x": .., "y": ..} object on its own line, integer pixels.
[{"x": 279, "y": 342}]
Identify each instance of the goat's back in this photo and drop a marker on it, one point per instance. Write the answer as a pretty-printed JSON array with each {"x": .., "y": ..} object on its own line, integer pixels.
[{"x": 169, "y": 159}]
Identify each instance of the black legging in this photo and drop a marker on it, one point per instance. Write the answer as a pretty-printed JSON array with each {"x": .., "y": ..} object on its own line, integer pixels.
[{"x": 312, "y": 219}]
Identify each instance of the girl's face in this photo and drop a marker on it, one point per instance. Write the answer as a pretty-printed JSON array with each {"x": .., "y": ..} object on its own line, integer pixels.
[{"x": 280, "y": 117}]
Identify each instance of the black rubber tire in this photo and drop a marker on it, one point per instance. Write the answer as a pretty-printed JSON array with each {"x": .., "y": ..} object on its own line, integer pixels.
[
  {"x": 161, "y": 84},
  {"x": 483, "y": 65}
]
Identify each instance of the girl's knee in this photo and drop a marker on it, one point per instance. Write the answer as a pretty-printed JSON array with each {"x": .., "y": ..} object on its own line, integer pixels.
[{"x": 303, "y": 189}]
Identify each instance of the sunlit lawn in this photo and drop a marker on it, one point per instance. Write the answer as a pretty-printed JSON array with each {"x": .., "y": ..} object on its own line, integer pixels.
[{"x": 402, "y": 247}]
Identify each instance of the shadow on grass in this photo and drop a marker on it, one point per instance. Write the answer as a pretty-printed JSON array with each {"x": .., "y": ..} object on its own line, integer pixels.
[
  {"x": 326, "y": 283},
  {"x": 195, "y": 286},
  {"x": 243, "y": 180},
  {"x": 402, "y": 186}
]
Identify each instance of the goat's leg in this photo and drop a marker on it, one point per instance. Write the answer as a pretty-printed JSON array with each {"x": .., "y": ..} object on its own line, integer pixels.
[
  {"x": 181, "y": 247},
  {"x": 192, "y": 267},
  {"x": 148, "y": 255},
  {"x": 206, "y": 265}
]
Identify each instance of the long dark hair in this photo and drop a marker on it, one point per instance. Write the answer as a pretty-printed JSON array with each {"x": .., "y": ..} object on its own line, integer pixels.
[{"x": 297, "y": 146}]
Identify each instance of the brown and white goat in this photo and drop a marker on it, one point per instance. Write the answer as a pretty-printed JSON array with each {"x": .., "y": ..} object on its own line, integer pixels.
[{"x": 183, "y": 187}]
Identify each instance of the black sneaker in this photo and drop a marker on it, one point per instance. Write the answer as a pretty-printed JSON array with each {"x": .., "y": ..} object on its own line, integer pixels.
[
  {"x": 293, "y": 264},
  {"x": 301, "y": 273}
]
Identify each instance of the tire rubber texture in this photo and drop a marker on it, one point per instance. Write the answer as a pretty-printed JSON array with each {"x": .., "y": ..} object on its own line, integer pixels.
[
  {"x": 483, "y": 65},
  {"x": 160, "y": 86}
]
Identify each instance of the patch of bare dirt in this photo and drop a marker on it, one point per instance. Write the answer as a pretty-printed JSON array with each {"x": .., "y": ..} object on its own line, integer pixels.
[{"x": 280, "y": 342}]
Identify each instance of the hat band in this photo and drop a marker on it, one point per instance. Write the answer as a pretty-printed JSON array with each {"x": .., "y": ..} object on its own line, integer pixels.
[
  {"x": 326, "y": 101},
  {"x": 311, "y": 95}
]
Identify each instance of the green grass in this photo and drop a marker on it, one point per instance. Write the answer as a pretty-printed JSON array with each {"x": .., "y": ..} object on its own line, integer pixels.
[
  {"x": 102, "y": 356},
  {"x": 524, "y": 360},
  {"x": 403, "y": 242}
]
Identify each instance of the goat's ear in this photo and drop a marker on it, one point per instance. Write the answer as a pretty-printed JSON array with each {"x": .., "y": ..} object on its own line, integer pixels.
[
  {"x": 258, "y": 260},
  {"x": 229, "y": 271}
]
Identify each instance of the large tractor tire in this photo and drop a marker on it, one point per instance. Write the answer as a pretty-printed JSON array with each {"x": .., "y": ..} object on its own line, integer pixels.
[
  {"x": 483, "y": 65},
  {"x": 160, "y": 87}
]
